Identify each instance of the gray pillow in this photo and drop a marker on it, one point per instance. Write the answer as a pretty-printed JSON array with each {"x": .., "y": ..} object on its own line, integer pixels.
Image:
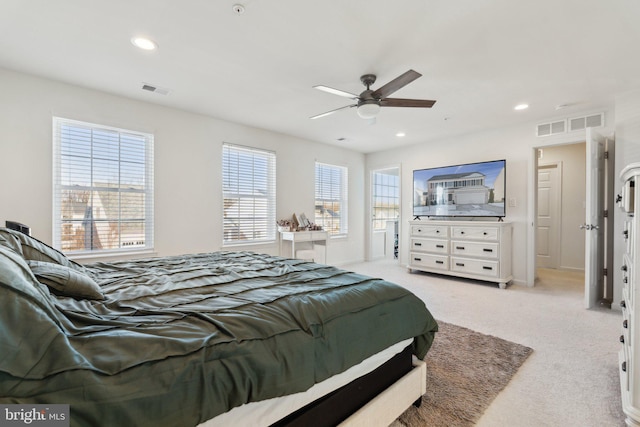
[
  {"x": 66, "y": 280},
  {"x": 33, "y": 249}
]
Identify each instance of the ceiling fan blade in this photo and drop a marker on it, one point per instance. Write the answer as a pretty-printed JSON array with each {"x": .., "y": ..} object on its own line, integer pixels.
[
  {"x": 336, "y": 91},
  {"x": 401, "y": 102},
  {"x": 331, "y": 112},
  {"x": 395, "y": 84}
]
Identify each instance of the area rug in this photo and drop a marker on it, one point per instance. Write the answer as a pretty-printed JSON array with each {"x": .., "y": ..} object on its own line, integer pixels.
[{"x": 465, "y": 371}]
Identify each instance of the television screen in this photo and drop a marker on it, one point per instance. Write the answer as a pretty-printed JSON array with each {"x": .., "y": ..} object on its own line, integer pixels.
[{"x": 468, "y": 190}]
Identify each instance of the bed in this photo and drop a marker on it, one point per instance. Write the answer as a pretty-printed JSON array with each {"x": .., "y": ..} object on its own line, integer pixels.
[{"x": 201, "y": 339}]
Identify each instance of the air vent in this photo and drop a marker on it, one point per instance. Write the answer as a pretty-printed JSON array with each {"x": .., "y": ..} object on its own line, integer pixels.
[
  {"x": 155, "y": 89},
  {"x": 553, "y": 128},
  {"x": 592, "y": 121}
]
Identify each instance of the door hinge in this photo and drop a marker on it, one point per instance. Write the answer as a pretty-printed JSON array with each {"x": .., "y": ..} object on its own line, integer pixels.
[
  {"x": 606, "y": 213},
  {"x": 606, "y": 155},
  {"x": 605, "y": 272}
]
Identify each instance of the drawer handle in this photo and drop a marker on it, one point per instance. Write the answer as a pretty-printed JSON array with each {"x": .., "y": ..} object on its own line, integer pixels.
[
  {"x": 625, "y": 233},
  {"x": 437, "y": 231},
  {"x": 417, "y": 244},
  {"x": 625, "y": 324},
  {"x": 623, "y": 304},
  {"x": 460, "y": 247},
  {"x": 459, "y": 264},
  {"x": 462, "y": 232},
  {"x": 417, "y": 259},
  {"x": 440, "y": 246},
  {"x": 484, "y": 267},
  {"x": 623, "y": 268},
  {"x": 624, "y": 366},
  {"x": 625, "y": 279},
  {"x": 484, "y": 234},
  {"x": 439, "y": 262},
  {"x": 487, "y": 250},
  {"x": 622, "y": 339}
]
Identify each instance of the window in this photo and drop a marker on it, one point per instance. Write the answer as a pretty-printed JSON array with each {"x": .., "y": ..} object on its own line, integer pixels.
[
  {"x": 331, "y": 198},
  {"x": 249, "y": 193},
  {"x": 386, "y": 197},
  {"x": 103, "y": 188}
]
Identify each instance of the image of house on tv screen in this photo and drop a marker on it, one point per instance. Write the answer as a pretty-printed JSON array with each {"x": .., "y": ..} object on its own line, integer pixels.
[{"x": 469, "y": 190}]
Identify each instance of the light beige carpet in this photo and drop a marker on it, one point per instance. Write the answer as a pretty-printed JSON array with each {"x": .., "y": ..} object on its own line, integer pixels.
[{"x": 465, "y": 371}]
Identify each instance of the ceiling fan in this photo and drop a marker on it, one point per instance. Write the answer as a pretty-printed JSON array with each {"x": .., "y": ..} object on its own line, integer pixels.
[{"x": 370, "y": 101}]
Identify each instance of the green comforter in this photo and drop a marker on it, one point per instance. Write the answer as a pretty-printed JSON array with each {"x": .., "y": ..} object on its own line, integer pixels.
[{"x": 179, "y": 340}]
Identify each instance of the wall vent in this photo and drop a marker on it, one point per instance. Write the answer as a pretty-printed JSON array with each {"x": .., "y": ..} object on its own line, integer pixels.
[
  {"x": 592, "y": 121},
  {"x": 575, "y": 124},
  {"x": 155, "y": 89},
  {"x": 553, "y": 128}
]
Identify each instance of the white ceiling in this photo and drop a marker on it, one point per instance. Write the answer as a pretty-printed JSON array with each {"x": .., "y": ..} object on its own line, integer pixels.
[{"x": 478, "y": 58}]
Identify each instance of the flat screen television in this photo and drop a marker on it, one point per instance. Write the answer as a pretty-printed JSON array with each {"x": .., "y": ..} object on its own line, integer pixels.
[{"x": 466, "y": 190}]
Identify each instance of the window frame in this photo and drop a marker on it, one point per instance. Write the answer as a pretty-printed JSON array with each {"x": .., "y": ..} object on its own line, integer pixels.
[
  {"x": 375, "y": 197},
  {"x": 269, "y": 186},
  {"x": 339, "y": 196},
  {"x": 147, "y": 187}
]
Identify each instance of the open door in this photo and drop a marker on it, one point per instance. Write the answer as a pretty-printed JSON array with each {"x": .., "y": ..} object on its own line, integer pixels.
[{"x": 594, "y": 225}]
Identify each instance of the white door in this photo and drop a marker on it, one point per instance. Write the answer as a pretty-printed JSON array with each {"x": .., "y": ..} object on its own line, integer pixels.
[
  {"x": 548, "y": 229},
  {"x": 594, "y": 219}
]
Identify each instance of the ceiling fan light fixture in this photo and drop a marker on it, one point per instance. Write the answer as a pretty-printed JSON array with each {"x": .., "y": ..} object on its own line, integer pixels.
[{"x": 368, "y": 110}]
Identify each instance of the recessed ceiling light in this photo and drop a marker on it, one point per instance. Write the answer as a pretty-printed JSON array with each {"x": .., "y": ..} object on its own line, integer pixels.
[
  {"x": 144, "y": 43},
  {"x": 521, "y": 107},
  {"x": 400, "y": 134}
]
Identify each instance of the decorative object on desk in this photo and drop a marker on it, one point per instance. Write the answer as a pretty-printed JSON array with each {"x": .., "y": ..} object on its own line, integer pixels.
[
  {"x": 304, "y": 222},
  {"x": 285, "y": 225}
]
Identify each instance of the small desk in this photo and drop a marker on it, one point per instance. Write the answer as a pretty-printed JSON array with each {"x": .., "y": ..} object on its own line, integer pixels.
[{"x": 316, "y": 237}]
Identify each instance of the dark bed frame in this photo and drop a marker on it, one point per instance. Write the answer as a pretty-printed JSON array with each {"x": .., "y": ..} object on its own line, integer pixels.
[{"x": 337, "y": 406}]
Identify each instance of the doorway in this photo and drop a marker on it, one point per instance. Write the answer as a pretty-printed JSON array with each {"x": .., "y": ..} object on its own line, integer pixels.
[
  {"x": 385, "y": 213},
  {"x": 560, "y": 210}
]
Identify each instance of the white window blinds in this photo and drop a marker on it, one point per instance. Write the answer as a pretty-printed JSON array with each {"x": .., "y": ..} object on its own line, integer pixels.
[
  {"x": 331, "y": 198},
  {"x": 103, "y": 188},
  {"x": 249, "y": 192}
]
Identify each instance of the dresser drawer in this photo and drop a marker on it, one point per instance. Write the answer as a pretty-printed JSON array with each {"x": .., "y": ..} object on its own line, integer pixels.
[
  {"x": 430, "y": 231},
  {"x": 430, "y": 245},
  {"x": 626, "y": 275},
  {"x": 625, "y": 330},
  {"x": 475, "y": 266},
  {"x": 435, "y": 262},
  {"x": 476, "y": 233},
  {"x": 480, "y": 249}
]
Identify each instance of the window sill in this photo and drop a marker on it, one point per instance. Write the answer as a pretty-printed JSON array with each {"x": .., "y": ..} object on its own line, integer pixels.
[
  {"x": 248, "y": 244},
  {"x": 102, "y": 256}
]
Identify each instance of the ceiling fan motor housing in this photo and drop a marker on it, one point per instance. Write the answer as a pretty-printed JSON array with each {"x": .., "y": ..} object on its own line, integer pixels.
[{"x": 368, "y": 80}]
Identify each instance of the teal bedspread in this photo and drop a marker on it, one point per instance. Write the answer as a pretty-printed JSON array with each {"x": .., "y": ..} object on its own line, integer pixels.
[{"x": 178, "y": 340}]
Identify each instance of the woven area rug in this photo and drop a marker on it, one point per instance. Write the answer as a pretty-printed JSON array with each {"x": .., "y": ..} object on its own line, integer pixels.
[{"x": 465, "y": 371}]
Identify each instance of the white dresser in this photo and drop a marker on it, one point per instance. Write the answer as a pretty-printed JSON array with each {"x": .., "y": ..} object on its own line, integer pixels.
[
  {"x": 630, "y": 331},
  {"x": 471, "y": 249}
]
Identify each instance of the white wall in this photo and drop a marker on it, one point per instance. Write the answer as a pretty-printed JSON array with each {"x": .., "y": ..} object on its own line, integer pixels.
[
  {"x": 515, "y": 144},
  {"x": 188, "y": 148}
]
